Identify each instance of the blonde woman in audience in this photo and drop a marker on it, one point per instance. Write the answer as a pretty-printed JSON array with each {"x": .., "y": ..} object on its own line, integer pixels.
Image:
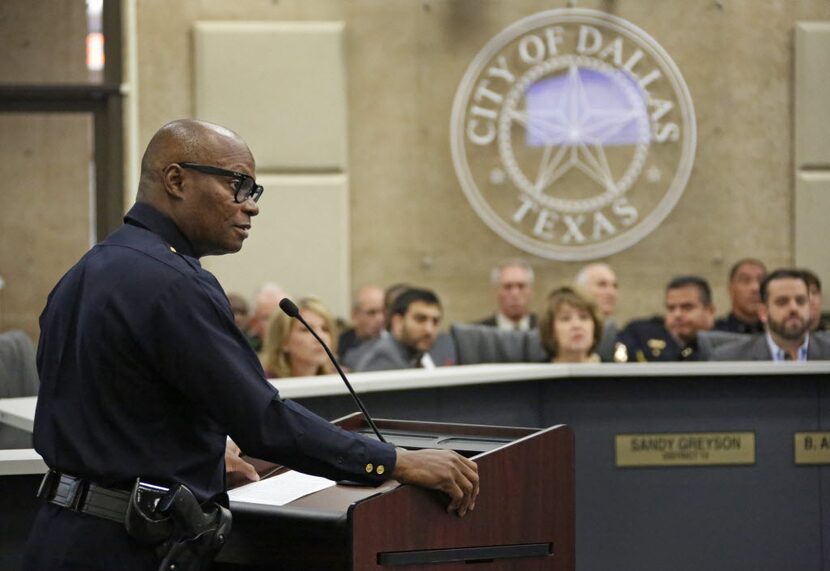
[
  {"x": 290, "y": 350},
  {"x": 570, "y": 327}
]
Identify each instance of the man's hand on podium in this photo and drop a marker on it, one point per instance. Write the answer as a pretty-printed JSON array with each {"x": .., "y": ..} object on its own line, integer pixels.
[
  {"x": 443, "y": 470},
  {"x": 236, "y": 465}
]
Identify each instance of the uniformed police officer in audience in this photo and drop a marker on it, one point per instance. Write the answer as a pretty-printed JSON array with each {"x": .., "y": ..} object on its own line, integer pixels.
[
  {"x": 672, "y": 337},
  {"x": 144, "y": 375},
  {"x": 745, "y": 279}
]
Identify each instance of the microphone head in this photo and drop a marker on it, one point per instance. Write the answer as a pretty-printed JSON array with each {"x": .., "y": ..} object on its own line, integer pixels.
[{"x": 289, "y": 307}]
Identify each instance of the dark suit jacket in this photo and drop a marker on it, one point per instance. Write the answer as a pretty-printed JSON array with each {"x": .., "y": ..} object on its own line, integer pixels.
[
  {"x": 605, "y": 347},
  {"x": 347, "y": 341},
  {"x": 649, "y": 340},
  {"x": 755, "y": 348}
]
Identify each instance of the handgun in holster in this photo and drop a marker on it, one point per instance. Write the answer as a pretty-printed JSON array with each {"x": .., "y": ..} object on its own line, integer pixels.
[{"x": 186, "y": 534}]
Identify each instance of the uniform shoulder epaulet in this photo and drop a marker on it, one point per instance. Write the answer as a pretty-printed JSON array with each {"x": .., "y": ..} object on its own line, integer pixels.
[{"x": 187, "y": 259}]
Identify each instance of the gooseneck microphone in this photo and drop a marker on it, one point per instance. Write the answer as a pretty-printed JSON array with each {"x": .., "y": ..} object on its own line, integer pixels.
[{"x": 291, "y": 310}]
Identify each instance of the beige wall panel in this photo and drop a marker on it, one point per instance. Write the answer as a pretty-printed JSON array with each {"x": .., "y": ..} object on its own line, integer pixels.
[
  {"x": 300, "y": 240},
  {"x": 812, "y": 93},
  {"x": 43, "y": 41},
  {"x": 45, "y": 222},
  {"x": 404, "y": 60},
  {"x": 280, "y": 85},
  {"x": 812, "y": 207}
]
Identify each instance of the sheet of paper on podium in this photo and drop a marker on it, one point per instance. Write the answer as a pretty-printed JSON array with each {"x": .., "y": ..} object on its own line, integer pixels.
[{"x": 280, "y": 490}]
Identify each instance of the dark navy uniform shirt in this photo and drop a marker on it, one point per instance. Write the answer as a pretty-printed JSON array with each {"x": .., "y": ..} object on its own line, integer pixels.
[
  {"x": 731, "y": 323},
  {"x": 143, "y": 374},
  {"x": 645, "y": 340}
]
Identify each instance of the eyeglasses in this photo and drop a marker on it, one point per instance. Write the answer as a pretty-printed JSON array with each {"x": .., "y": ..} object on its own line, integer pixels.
[{"x": 246, "y": 186}]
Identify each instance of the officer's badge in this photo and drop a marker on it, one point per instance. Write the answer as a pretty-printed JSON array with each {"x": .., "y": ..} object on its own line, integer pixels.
[{"x": 656, "y": 346}]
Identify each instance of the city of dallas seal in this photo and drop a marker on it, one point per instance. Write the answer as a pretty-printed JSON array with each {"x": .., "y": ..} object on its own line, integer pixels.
[{"x": 573, "y": 134}]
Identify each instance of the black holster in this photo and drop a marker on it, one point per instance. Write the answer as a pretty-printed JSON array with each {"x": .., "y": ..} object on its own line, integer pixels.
[
  {"x": 199, "y": 532},
  {"x": 186, "y": 534},
  {"x": 143, "y": 520}
]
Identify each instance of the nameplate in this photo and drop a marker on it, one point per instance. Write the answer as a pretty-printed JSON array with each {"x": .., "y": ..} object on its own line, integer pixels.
[
  {"x": 812, "y": 447},
  {"x": 685, "y": 449}
]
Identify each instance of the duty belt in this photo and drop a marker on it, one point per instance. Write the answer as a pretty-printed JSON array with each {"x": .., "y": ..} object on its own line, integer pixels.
[
  {"x": 184, "y": 534},
  {"x": 83, "y": 496}
]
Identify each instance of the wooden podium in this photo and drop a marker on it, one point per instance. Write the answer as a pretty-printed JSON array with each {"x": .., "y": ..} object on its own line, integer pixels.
[{"x": 523, "y": 520}]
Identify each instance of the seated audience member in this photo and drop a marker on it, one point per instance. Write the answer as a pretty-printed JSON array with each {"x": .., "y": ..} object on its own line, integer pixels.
[
  {"x": 600, "y": 281},
  {"x": 570, "y": 327},
  {"x": 818, "y": 321},
  {"x": 368, "y": 321},
  {"x": 390, "y": 294},
  {"x": 291, "y": 350},
  {"x": 689, "y": 309},
  {"x": 266, "y": 300},
  {"x": 745, "y": 279},
  {"x": 355, "y": 355},
  {"x": 785, "y": 312},
  {"x": 18, "y": 378},
  {"x": 18, "y": 368},
  {"x": 512, "y": 281},
  {"x": 413, "y": 341},
  {"x": 240, "y": 309}
]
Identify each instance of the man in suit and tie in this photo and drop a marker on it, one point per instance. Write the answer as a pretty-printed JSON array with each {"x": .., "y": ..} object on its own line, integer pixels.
[
  {"x": 785, "y": 313},
  {"x": 599, "y": 280},
  {"x": 512, "y": 282}
]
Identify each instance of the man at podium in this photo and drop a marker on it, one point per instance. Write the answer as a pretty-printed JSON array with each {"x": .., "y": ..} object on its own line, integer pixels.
[{"x": 144, "y": 375}]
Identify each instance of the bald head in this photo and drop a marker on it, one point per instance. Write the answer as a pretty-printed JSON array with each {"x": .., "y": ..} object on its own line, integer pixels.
[
  {"x": 600, "y": 281},
  {"x": 201, "y": 204},
  {"x": 368, "y": 312},
  {"x": 183, "y": 140}
]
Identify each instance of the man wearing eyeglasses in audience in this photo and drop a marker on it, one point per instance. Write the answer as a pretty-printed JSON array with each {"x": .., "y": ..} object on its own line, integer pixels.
[
  {"x": 144, "y": 375},
  {"x": 368, "y": 321}
]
